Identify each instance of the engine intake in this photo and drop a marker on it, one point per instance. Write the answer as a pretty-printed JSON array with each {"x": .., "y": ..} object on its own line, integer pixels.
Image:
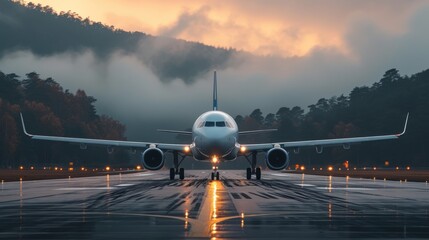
[
  {"x": 153, "y": 159},
  {"x": 277, "y": 159}
]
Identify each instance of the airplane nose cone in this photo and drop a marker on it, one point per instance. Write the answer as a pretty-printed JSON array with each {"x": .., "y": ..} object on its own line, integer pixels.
[{"x": 215, "y": 145}]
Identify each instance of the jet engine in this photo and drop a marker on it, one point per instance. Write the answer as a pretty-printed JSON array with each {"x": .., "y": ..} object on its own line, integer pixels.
[
  {"x": 277, "y": 159},
  {"x": 153, "y": 159}
]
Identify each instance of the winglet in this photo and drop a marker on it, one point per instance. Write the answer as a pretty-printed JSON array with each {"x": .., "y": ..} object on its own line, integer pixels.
[
  {"x": 214, "y": 92},
  {"x": 405, "y": 126},
  {"x": 23, "y": 126}
]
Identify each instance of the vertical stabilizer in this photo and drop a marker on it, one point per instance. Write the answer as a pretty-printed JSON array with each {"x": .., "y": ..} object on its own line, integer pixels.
[{"x": 215, "y": 92}]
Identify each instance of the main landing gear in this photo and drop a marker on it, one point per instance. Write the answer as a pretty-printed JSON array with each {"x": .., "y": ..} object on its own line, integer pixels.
[
  {"x": 253, "y": 170},
  {"x": 176, "y": 170},
  {"x": 215, "y": 173}
]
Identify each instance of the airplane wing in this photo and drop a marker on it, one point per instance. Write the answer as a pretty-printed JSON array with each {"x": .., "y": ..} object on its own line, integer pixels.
[
  {"x": 345, "y": 142},
  {"x": 102, "y": 142}
]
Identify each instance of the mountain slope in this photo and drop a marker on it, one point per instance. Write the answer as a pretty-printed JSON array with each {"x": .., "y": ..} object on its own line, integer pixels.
[{"x": 44, "y": 32}]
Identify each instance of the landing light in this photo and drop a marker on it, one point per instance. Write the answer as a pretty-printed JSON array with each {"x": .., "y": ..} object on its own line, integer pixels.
[
  {"x": 107, "y": 168},
  {"x": 21, "y": 168},
  {"x": 186, "y": 149},
  {"x": 214, "y": 160},
  {"x": 242, "y": 149},
  {"x": 302, "y": 168},
  {"x": 330, "y": 168},
  {"x": 408, "y": 168},
  {"x": 139, "y": 167}
]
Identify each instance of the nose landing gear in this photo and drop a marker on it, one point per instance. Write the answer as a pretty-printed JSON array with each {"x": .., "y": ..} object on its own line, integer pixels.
[{"x": 215, "y": 173}]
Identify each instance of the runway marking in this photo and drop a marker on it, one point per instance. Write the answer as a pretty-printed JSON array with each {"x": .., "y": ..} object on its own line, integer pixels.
[
  {"x": 125, "y": 185},
  {"x": 304, "y": 185},
  {"x": 84, "y": 188},
  {"x": 146, "y": 174},
  {"x": 235, "y": 195},
  {"x": 347, "y": 189},
  {"x": 280, "y": 174}
]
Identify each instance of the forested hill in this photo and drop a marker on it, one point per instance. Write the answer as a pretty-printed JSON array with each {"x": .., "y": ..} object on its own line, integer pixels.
[
  {"x": 379, "y": 109},
  {"x": 50, "y": 110},
  {"x": 44, "y": 32}
]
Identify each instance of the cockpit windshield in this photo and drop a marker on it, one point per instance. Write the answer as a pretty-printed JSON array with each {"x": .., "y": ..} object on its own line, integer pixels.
[
  {"x": 220, "y": 124},
  {"x": 215, "y": 124},
  {"x": 209, "y": 124}
]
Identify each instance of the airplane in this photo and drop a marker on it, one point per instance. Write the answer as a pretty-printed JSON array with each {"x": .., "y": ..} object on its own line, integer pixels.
[{"x": 215, "y": 137}]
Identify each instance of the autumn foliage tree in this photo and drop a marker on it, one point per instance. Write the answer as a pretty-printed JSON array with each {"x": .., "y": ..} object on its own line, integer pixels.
[
  {"x": 374, "y": 110},
  {"x": 51, "y": 110}
]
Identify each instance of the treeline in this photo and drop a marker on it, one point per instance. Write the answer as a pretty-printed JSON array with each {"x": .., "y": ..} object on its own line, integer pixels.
[
  {"x": 50, "y": 110},
  {"x": 375, "y": 110}
]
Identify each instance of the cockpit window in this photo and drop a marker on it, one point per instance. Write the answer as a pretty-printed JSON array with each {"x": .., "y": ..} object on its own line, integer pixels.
[
  {"x": 228, "y": 124},
  {"x": 201, "y": 124},
  {"x": 220, "y": 124},
  {"x": 209, "y": 124}
]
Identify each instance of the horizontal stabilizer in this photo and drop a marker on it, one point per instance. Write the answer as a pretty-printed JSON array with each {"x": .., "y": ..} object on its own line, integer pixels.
[
  {"x": 257, "y": 131},
  {"x": 174, "y": 131}
]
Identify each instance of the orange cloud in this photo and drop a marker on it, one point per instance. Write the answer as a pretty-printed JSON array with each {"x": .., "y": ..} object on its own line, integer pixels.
[{"x": 272, "y": 27}]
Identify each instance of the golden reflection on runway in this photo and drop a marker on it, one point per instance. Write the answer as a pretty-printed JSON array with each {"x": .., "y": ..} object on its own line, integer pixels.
[
  {"x": 208, "y": 217},
  {"x": 214, "y": 207},
  {"x": 214, "y": 198}
]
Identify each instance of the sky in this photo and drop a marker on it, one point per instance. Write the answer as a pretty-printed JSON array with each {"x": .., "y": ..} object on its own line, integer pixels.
[
  {"x": 271, "y": 27},
  {"x": 304, "y": 50}
]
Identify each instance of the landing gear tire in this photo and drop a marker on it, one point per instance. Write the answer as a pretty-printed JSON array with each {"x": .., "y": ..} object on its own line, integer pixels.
[
  {"x": 181, "y": 173},
  {"x": 213, "y": 175},
  {"x": 217, "y": 176},
  {"x": 172, "y": 173},
  {"x": 248, "y": 173},
  {"x": 258, "y": 173}
]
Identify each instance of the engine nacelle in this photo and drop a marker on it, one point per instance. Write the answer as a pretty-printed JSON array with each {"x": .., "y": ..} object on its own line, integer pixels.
[
  {"x": 277, "y": 159},
  {"x": 153, "y": 159}
]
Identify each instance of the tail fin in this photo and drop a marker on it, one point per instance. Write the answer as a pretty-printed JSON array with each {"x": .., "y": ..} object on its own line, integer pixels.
[{"x": 215, "y": 92}]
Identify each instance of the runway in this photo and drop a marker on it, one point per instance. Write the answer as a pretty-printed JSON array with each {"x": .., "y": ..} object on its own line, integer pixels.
[{"x": 149, "y": 206}]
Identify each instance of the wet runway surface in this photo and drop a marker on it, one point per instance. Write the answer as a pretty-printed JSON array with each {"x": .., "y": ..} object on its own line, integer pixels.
[{"x": 148, "y": 206}]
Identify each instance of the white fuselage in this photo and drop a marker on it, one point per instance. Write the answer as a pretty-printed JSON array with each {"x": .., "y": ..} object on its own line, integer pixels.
[{"x": 215, "y": 136}]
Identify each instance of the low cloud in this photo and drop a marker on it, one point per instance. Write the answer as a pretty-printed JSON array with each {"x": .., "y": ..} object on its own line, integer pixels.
[{"x": 46, "y": 34}]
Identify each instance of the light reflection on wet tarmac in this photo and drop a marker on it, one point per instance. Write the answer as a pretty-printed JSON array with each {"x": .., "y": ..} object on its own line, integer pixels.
[{"x": 136, "y": 206}]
